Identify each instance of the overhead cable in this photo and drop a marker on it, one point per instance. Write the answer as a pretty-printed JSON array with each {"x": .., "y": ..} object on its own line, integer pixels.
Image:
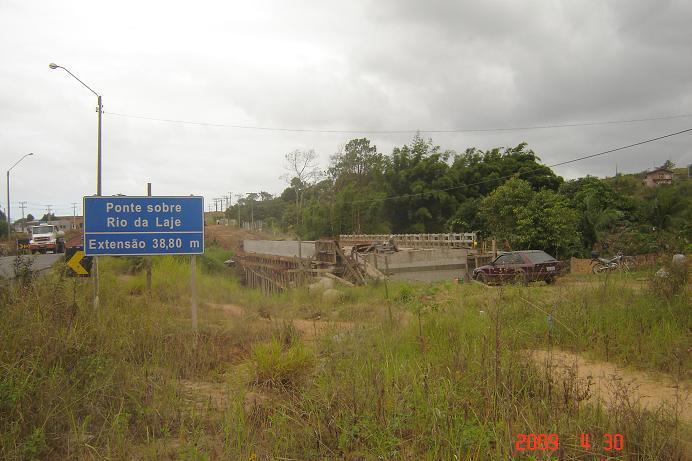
[
  {"x": 578, "y": 159},
  {"x": 399, "y": 131}
]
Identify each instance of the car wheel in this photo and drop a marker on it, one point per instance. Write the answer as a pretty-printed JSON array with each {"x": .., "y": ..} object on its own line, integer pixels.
[
  {"x": 521, "y": 277},
  {"x": 481, "y": 277},
  {"x": 550, "y": 280}
]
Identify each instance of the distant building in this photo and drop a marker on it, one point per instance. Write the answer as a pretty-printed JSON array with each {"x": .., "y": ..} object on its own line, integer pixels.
[
  {"x": 63, "y": 223},
  {"x": 658, "y": 176},
  {"x": 66, "y": 223}
]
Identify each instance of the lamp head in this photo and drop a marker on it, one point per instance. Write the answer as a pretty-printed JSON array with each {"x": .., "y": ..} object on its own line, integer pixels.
[{"x": 52, "y": 65}]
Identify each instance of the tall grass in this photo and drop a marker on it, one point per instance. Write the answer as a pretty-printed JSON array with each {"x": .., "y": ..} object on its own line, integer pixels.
[
  {"x": 459, "y": 390},
  {"x": 75, "y": 383},
  {"x": 616, "y": 321},
  {"x": 444, "y": 377}
]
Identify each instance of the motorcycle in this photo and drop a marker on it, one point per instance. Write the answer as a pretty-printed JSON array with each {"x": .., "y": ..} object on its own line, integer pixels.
[{"x": 617, "y": 262}]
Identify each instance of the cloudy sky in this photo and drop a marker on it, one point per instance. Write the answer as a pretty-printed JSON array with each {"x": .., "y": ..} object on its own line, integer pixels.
[{"x": 316, "y": 65}]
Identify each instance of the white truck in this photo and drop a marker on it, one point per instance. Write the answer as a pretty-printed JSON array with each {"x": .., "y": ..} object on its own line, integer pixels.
[{"x": 45, "y": 238}]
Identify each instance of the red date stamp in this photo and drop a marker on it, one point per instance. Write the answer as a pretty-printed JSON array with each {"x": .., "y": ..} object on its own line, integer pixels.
[
  {"x": 611, "y": 442},
  {"x": 534, "y": 442},
  {"x": 551, "y": 442}
]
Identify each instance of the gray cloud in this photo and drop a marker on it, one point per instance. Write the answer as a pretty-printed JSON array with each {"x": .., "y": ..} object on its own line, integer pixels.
[{"x": 308, "y": 64}]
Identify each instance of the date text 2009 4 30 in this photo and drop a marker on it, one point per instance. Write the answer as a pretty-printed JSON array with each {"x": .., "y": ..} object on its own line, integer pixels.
[{"x": 551, "y": 442}]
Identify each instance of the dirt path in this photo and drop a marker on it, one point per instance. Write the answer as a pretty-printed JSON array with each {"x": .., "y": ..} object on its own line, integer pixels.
[
  {"x": 651, "y": 390},
  {"x": 233, "y": 310},
  {"x": 309, "y": 329}
]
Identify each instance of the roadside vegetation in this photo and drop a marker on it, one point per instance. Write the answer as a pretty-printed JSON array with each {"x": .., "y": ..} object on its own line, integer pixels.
[
  {"x": 506, "y": 193},
  {"x": 404, "y": 371}
]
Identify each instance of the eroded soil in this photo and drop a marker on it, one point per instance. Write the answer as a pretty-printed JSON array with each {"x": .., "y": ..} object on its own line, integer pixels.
[{"x": 651, "y": 391}]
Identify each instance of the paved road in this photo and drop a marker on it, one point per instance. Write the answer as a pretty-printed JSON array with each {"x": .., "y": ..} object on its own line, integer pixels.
[{"x": 39, "y": 262}]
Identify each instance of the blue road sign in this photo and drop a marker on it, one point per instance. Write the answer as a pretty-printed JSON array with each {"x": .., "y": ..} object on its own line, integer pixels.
[{"x": 125, "y": 226}]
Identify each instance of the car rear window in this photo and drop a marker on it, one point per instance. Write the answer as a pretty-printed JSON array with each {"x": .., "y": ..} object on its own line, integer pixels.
[{"x": 540, "y": 257}]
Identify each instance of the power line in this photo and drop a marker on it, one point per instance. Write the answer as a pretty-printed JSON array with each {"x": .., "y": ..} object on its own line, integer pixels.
[
  {"x": 578, "y": 159},
  {"x": 458, "y": 130}
]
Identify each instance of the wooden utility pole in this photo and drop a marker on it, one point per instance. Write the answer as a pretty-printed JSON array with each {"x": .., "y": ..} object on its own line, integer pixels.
[
  {"x": 22, "y": 205},
  {"x": 228, "y": 216},
  {"x": 237, "y": 203},
  {"x": 74, "y": 215}
]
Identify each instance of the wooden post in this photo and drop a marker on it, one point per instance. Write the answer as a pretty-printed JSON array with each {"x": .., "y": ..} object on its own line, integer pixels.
[
  {"x": 386, "y": 288},
  {"x": 467, "y": 274},
  {"x": 95, "y": 271},
  {"x": 193, "y": 290},
  {"x": 148, "y": 258}
]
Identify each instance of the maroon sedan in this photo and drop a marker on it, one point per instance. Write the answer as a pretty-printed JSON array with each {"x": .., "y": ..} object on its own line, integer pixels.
[{"x": 520, "y": 266}]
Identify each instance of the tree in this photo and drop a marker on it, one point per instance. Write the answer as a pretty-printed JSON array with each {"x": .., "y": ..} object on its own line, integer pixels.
[
  {"x": 601, "y": 208},
  {"x": 501, "y": 209},
  {"x": 302, "y": 171},
  {"x": 30, "y": 217},
  {"x": 481, "y": 172},
  {"x": 664, "y": 204},
  {"x": 668, "y": 165},
  {"x": 417, "y": 175},
  {"x": 358, "y": 163},
  {"x": 540, "y": 220},
  {"x": 467, "y": 217},
  {"x": 357, "y": 175},
  {"x": 548, "y": 223}
]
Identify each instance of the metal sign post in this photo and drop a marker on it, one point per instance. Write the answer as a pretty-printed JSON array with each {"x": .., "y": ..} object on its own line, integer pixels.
[{"x": 193, "y": 291}]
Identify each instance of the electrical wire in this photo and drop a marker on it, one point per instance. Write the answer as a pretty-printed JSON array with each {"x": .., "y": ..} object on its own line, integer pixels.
[
  {"x": 462, "y": 186},
  {"x": 459, "y": 130},
  {"x": 542, "y": 168}
]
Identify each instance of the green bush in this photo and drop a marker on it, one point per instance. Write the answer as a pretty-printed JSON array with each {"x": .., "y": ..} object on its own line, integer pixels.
[
  {"x": 282, "y": 368},
  {"x": 671, "y": 281},
  {"x": 212, "y": 261}
]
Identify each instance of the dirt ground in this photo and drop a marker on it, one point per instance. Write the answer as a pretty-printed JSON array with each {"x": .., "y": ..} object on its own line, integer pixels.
[
  {"x": 205, "y": 394},
  {"x": 309, "y": 330},
  {"x": 227, "y": 237},
  {"x": 650, "y": 390}
]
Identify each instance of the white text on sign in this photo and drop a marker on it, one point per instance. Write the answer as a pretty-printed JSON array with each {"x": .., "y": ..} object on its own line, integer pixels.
[
  {"x": 164, "y": 223},
  {"x": 162, "y": 207}
]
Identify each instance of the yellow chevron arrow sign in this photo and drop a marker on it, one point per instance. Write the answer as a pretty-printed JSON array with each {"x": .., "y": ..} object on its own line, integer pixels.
[{"x": 75, "y": 263}]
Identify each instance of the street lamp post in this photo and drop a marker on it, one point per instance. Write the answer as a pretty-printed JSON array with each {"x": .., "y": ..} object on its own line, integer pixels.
[
  {"x": 99, "y": 109},
  {"x": 9, "y": 227}
]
